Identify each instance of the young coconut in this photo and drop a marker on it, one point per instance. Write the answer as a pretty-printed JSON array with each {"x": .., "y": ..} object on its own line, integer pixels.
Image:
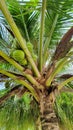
[{"x": 18, "y": 55}]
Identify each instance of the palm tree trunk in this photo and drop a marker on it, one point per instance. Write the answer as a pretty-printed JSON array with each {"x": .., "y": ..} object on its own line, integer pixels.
[{"x": 48, "y": 117}]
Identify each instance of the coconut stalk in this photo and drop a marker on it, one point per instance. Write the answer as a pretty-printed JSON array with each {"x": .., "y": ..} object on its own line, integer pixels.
[
  {"x": 56, "y": 71},
  {"x": 11, "y": 61},
  {"x": 48, "y": 40},
  {"x": 23, "y": 82},
  {"x": 65, "y": 83},
  {"x": 40, "y": 49}
]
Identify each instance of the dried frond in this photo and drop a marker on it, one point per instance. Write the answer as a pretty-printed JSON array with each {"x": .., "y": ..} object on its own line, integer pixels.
[{"x": 64, "y": 45}]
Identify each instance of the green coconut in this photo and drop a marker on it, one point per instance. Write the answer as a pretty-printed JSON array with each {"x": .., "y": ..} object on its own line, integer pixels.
[
  {"x": 34, "y": 56},
  {"x": 30, "y": 47},
  {"x": 18, "y": 55},
  {"x": 23, "y": 62}
]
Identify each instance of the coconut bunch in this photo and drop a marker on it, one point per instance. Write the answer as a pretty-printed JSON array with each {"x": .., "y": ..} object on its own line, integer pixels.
[{"x": 18, "y": 54}]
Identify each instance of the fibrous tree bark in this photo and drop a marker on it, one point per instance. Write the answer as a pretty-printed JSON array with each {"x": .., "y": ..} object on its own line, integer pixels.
[{"x": 49, "y": 120}]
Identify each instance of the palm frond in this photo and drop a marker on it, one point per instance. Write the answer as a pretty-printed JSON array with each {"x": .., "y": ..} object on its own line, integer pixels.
[
  {"x": 14, "y": 114},
  {"x": 64, "y": 109}
]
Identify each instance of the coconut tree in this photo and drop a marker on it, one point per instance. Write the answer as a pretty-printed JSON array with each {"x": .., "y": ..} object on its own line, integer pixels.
[{"x": 38, "y": 24}]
